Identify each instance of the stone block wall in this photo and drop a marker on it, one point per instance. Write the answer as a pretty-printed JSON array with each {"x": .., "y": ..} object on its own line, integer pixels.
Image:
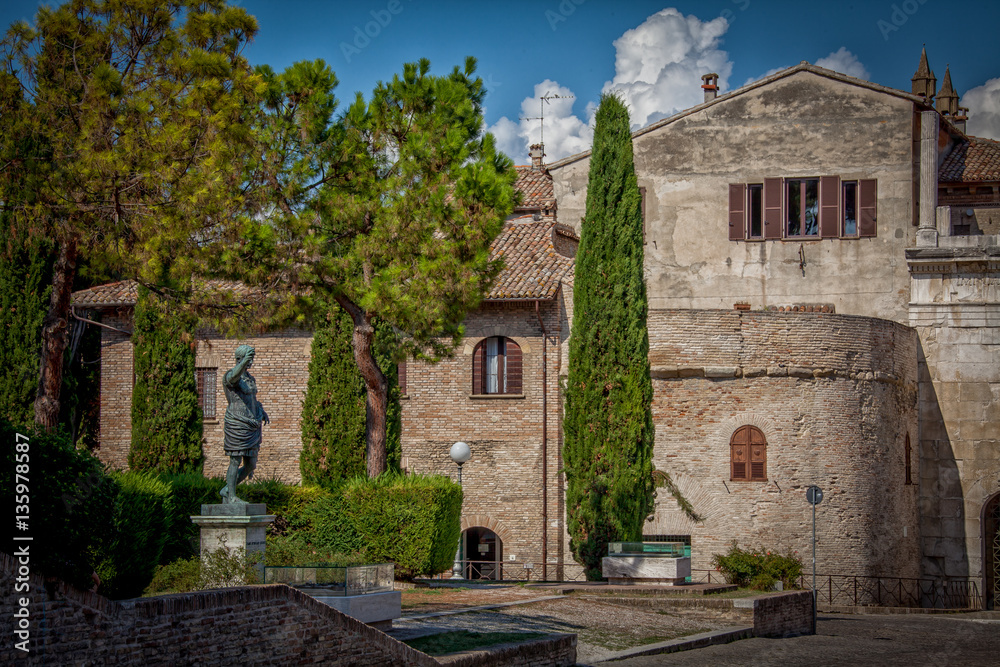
[
  {"x": 835, "y": 397},
  {"x": 503, "y": 479},
  {"x": 258, "y": 625}
]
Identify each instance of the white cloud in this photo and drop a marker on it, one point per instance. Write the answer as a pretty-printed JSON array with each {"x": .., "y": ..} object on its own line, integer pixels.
[
  {"x": 658, "y": 69},
  {"x": 659, "y": 64},
  {"x": 565, "y": 134},
  {"x": 983, "y": 103},
  {"x": 845, "y": 62}
]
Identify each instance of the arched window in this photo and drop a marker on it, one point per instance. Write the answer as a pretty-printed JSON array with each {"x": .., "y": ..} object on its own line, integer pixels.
[
  {"x": 496, "y": 367},
  {"x": 748, "y": 455}
]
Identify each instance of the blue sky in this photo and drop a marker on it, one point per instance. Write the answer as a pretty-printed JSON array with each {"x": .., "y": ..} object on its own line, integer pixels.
[{"x": 651, "y": 52}]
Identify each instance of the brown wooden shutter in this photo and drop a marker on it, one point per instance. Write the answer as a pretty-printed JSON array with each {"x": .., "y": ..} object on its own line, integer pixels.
[
  {"x": 772, "y": 208},
  {"x": 758, "y": 455},
  {"x": 867, "y": 197},
  {"x": 829, "y": 206},
  {"x": 514, "y": 385},
  {"x": 478, "y": 363},
  {"x": 737, "y": 211},
  {"x": 401, "y": 377},
  {"x": 739, "y": 453}
]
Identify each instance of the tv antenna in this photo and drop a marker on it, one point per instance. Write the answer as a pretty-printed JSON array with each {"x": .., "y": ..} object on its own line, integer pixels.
[{"x": 542, "y": 101}]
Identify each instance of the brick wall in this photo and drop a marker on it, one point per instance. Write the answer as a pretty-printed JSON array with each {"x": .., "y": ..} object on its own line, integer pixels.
[
  {"x": 503, "y": 479},
  {"x": 258, "y": 625},
  {"x": 834, "y": 395},
  {"x": 281, "y": 368}
]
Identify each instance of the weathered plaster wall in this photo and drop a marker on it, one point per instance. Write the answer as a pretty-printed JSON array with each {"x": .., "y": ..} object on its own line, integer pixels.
[
  {"x": 956, "y": 310},
  {"x": 835, "y": 397},
  {"x": 799, "y": 126}
]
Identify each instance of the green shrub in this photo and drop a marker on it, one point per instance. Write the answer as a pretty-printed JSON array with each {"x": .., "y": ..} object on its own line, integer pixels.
[
  {"x": 225, "y": 568},
  {"x": 412, "y": 521},
  {"x": 285, "y": 550},
  {"x": 289, "y": 502},
  {"x": 140, "y": 519},
  {"x": 188, "y": 492},
  {"x": 179, "y": 576},
  {"x": 70, "y": 500},
  {"x": 758, "y": 568}
]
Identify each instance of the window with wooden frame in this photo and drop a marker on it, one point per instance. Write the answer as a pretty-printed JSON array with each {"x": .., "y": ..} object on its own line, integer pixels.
[
  {"x": 206, "y": 378},
  {"x": 748, "y": 455},
  {"x": 496, "y": 367},
  {"x": 642, "y": 204},
  {"x": 802, "y": 208},
  {"x": 401, "y": 377}
]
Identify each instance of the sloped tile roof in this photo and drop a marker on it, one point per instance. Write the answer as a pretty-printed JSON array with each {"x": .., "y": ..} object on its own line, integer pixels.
[
  {"x": 532, "y": 267},
  {"x": 126, "y": 292},
  {"x": 535, "y": 186},
  {"x": 121, "y": 293},
  {"x": 970, "y": 161}
]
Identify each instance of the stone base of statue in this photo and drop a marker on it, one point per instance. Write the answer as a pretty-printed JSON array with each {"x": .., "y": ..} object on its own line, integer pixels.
[{"x": 234, "y": 526}]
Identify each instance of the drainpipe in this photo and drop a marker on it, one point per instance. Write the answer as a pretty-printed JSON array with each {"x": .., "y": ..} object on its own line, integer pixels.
[{"x": 545, "y": 448}]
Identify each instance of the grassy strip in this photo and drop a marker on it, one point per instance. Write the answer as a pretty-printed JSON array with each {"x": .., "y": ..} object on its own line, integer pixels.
[{"x": 463, "y": 640}]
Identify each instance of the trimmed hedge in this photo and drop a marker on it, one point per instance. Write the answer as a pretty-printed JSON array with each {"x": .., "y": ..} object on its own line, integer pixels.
[
  {"x": 70, "y": 500},
  {"x": 758, "y": 568},
  {"x": 140, "y": 522},
  {"x": 188, "y": 492},
  {"x": 412, "y": 521}
]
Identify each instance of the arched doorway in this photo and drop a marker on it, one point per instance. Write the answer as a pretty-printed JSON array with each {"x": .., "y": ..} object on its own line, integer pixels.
[
  {"x": 483, "y": 554},
  {"x": 991, "y": 552}
]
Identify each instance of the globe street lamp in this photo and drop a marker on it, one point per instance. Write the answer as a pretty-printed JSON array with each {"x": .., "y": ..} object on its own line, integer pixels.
[{"x": 460, "y": 453}]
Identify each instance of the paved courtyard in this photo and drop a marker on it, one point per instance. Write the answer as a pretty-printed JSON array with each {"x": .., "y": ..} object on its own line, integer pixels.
[{"x": 606, "y": 630}]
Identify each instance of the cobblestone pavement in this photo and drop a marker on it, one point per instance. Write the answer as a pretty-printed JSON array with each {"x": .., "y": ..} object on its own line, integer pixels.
[{"x": 939, "y": 640}]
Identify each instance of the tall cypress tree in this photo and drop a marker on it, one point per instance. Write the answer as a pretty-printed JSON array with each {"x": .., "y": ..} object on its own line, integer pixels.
[
  {"x": 608, "y": 420},
  {"x": 166, "y": 419},
  {"x": 333, "y": 413}
]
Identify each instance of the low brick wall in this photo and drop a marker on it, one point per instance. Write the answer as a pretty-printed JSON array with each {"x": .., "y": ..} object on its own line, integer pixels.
[
  {"x": 555, "y": 651},
  {"x": 783, "y": 614},
  {"x": 256, "y": 625},
  {"x": 780, "y": 614}
]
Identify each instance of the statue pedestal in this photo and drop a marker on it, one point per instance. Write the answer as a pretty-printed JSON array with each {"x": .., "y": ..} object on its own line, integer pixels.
[{"x": 233, "y": 526}]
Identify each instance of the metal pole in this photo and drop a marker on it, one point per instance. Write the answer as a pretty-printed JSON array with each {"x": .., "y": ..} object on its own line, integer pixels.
[
  {"x": 457, "y": 570},
  {"x": 814, "y": 567}
]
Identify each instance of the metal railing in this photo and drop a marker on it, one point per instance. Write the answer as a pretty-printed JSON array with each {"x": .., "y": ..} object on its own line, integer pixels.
[
  {"x": 483, "y": 570},
  {"x": 858, "y": 591}
]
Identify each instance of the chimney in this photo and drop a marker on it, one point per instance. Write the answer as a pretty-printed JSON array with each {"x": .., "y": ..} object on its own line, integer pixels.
[
  {"x": 923, "y": 82},
  {"x": 960, "y": 118},
  {"x": 710, "y": 86},
  {"x": 537, "y": 152}
]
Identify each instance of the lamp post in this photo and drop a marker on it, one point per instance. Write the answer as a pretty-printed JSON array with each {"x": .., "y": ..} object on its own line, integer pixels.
[{"x": 460, "y": 453}]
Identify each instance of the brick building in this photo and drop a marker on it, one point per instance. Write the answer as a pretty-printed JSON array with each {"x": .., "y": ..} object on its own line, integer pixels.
[{"x": 822, "y": 262}]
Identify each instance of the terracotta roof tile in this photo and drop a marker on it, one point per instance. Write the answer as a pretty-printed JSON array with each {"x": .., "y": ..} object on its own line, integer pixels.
[
  {"x": 121, "y": 293},
  {"x": 535, "y": 186},
  {"x": 970, "y": 161},
  {"x": 533, "y": 268}
]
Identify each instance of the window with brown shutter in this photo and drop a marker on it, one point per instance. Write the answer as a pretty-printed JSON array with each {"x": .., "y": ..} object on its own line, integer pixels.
[
  {"x": 772, "y": 208},
  {"x": 497, "y": 367},
  {"x": 867, "y": 197},
  {"x": 829, "y": 207},
  {"x": 748, "y": 455},
  {"x": 642, "y": 204},
  {"x": 205, "y": 378},
  {"x": 909, "y": 469},
  {"x": 737, "y": 214},
  {"x": 401, "y": 377}
]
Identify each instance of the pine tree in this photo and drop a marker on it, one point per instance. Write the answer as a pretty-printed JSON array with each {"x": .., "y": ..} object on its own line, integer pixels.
[
  {"x": 166, "y": 419},
  {"x": 608, "y": 419},
  {"x": 333, "y": 413}
]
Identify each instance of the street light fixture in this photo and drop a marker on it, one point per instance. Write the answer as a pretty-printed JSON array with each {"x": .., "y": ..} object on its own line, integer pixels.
[{"x": 460, "y": 453}]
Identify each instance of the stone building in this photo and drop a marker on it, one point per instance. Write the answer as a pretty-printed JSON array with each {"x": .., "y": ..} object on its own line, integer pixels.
[{"x": 823, "y": 271}]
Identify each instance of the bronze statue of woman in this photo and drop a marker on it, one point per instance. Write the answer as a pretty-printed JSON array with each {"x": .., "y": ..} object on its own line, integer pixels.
[{"x": 242, "y": 427}]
